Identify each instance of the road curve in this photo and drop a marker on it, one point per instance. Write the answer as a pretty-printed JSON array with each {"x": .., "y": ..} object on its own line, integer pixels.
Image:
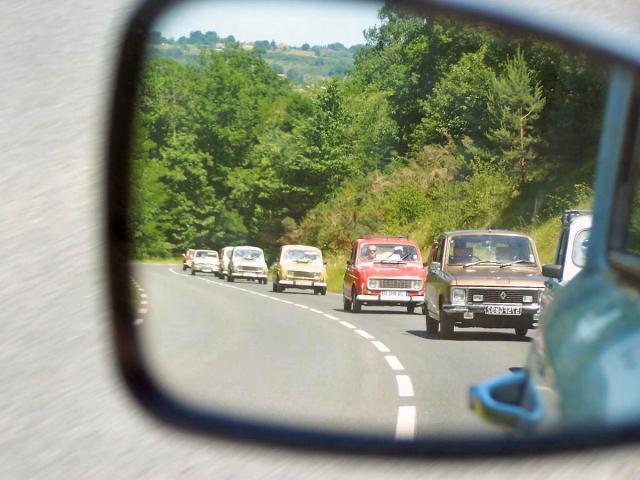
[{"x": 298, "y": 358}]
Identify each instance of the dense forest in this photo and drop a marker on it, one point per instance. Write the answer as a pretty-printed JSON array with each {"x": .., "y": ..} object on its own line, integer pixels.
[{"x": 436, "y": 126}]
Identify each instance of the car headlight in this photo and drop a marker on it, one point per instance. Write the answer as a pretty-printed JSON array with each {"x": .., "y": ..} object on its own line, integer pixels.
[
  {"x": 373, "y": 283},
  {"x": 416, "y": 284},
  {"x": 527, "y": 299},
  {"x": 458, "y": 296}
]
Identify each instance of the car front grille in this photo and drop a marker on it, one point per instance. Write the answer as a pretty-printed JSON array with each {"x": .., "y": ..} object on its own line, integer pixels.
[
  {"x": 501, "y": 296},
  {"x": 296, "y": 274},
  {"x": 399, "y": 283},
  {"x": 242, "y": 268}
]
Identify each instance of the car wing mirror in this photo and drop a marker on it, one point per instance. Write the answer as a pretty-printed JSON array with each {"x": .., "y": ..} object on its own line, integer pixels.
[
  {"x": 149, "y": 155},
  {"x": 552, "y": 271}
]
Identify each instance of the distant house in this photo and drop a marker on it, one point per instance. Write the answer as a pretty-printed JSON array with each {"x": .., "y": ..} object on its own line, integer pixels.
[
  {"x": 247, "y": 45},
  {"x": 282, "y": 47},
  {"x": 282, "y": 75}
]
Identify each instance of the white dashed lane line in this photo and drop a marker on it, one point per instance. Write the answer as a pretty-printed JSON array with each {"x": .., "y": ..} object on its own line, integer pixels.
[
  {"x": 406, "y": 423},
  {"x": 301, "y": 306},
  {"x": 315, "y": 311},
  {"x": 347, "y": 324},
  {"x": 364, "y": 334},
  {"x": 381, "y": 346},
  {"x": 331, "y": 317},
  {"x": 405, "y": 387},
  {"x": 393, "y": 362}
]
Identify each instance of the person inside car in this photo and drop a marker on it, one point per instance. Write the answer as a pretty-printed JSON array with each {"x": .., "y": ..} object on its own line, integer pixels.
[{"x": 369, "y": 253}]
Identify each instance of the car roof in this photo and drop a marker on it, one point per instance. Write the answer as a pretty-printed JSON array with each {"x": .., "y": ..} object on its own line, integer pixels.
[
  {"x": 457, "y": 233},
  {"x": 205, "y": 250},
  {"x": 383, "y": 239},
  {"x": 301, "y": 247},
  {"x": 248, "y": 247},
  {"x": 583, "y": 221}
]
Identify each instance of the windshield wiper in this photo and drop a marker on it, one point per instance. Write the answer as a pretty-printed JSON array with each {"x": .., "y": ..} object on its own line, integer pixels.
[
  {"x": 516, "y": 261},
  {"x": 480, "y": 262}
]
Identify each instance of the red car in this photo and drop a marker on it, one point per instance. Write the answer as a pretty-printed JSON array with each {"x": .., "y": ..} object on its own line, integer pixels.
[{"x": 384, "y": 271}]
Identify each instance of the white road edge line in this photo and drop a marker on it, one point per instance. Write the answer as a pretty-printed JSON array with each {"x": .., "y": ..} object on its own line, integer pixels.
[
  {"x": 144, "y": 302},
  {"x": 406, "y": 423},
  {"x": 347, "y": 324},
  {"x": 405, "y": 387},
  {"x": 315, "y": 311},
  {"x": 142, "y": 311},
  {"x": 143, "y": 295},
  {"x": 380, "y": 346},
  {"x": 301, "y": 306},
  {"x": 331, "y": 317},
  {"x": 364, "y": 334},
  {"x": 393, "y": 362}
]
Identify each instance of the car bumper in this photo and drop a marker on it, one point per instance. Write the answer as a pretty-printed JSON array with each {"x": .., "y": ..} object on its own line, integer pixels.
[
  {"x": 378, "y": 300},
  {"x": 205, "y": 268},
  {"x": 302, "y": 284},
  {"x": 475, "y": 316},
  {"x": 248, "y": 275}
]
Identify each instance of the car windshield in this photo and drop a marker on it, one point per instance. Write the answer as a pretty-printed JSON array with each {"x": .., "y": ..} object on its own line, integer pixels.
[
  {"x": 227, "y": 253},
  {"x": 491, "y": 249},
  {"x": 302, "y": 255},
  {"x": 580, "y": 243},
  {"x": 207, "y": 254},
  {"x": 247, "y": 253},
  {"x": 388, "y": 252}
]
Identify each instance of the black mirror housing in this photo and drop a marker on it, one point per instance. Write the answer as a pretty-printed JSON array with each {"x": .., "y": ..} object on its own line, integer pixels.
[{"x": 552, "y": 271}]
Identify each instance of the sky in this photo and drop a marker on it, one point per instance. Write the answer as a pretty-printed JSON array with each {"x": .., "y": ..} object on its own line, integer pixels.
[{"x": 289, "y": 22}]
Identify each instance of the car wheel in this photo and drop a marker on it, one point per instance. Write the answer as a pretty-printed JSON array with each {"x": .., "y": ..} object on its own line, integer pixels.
[
  {"x": 432, "y": 326},
  {"x": 411, "y": 308},
  {"x": 229, "y": 278},
  {"x": 346, "y": 303},
  {"x": 323, "y": 291},
  {"x": 193, "y": 271},
  {"x": 316, "y": 291},
  {"x": 522, "y": 331},
  {"x": 274, "y": 285},
  {"x": 356, "y": 306},
  {"x": 446, "y": 325},
  {"x": 184, "y": 267}
]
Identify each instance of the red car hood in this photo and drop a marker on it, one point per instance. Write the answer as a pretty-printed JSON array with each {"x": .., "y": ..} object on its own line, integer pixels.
[{"x": 392, "y": 270}]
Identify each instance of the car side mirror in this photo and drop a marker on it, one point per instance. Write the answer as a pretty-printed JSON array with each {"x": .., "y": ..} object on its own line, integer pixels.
[
  {"x": 349, "y": 263},
  {"x": 552, "y": 271}
]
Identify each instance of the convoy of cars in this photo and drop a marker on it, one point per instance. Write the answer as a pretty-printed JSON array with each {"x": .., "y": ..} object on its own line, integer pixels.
[{"x": 473, "y": 278}]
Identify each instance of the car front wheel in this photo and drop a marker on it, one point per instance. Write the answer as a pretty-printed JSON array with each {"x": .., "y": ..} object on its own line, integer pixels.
[
  {"x": 411, "y": 308},
  {"x": 446, "y": 325},
  {"x": 346, "y": 304},
  {"x": 432, "y": 326},
  {"x": 356, "y": 306},
  {"x": 522, "y": 331}
]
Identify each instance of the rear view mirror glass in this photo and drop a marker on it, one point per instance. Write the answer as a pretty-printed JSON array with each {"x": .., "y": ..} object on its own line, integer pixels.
[{"x": 271, "y": 143}]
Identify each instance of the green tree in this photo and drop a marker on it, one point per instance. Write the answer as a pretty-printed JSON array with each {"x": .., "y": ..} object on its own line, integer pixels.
[{"x": 515, "y": 103}]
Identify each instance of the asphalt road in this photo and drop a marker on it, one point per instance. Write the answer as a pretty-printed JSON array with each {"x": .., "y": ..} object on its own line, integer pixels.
[{"x": 295, "y": 357}]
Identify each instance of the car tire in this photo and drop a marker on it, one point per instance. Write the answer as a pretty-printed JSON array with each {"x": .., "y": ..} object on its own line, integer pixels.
[
  {"x": 316, "y": 291},
  {"x": 432, "y": 326},
  {"x": 184, "y": 267},
  {"x": 323, "y": 291},
  {"x": 193, "y": 271},
  {"x": 411, "y": 308},
  {"x": 521, "y": 331},
  {"x": 274, "y": 286},
  {"x": 446, "y": 325},
  {"x": 229, "y": 279},
  {"x": 356, "y": 306},
  {"x": 346, "y": 303}
]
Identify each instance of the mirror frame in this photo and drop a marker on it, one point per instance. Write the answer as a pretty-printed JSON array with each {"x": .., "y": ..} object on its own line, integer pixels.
[{"x": 173, "y": 411}]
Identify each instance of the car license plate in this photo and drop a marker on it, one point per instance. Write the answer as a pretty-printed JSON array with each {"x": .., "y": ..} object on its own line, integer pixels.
[
  {"x": 502, "y": 310},
  {"x": 393, "y": 295},
  {"x": 250, "y": 274},
  {"x": 206, "y": 270},
  {"x": 303, "y": 282}
]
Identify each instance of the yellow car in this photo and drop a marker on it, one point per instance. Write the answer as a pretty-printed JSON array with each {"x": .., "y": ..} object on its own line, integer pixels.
[{"x": 300, "y": 266}]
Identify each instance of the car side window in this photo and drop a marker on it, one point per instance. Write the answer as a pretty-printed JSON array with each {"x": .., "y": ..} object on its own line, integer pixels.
[{"x": 353, "y": 254}]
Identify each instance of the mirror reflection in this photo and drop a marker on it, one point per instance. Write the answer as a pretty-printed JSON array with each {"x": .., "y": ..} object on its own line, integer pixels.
[{"x": 353, "y": 216}]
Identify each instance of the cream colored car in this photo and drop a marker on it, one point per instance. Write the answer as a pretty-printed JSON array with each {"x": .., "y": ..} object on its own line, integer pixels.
[{"x": 300, "y": 266}]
